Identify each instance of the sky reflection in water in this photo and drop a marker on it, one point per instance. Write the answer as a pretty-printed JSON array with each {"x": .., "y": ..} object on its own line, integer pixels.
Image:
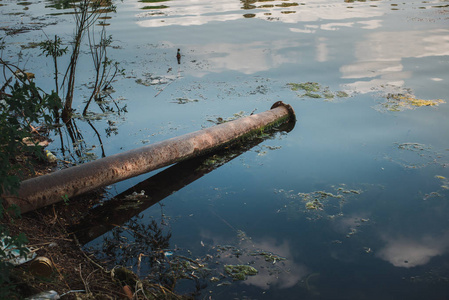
[{"x": 390, "y": 241}]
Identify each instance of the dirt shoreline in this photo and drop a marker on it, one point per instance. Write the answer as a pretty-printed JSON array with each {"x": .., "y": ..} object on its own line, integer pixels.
[{"x": 75, "y": 273}]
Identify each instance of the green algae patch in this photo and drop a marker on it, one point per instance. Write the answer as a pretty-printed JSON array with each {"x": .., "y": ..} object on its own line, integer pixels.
[
  {"x": 415, "y": 155},
  {"x": 307, "y": 86},
  {"x": 400, "y": 102},
  {"x": 155, "y": 7},
  {"x": 341, "y": 94},
  {"x": 315, "y": 90},
  {"x": 315, "y": 204},
  {"x": 318, "y": 204},
  {"x": 240, "y": 272},
  {"x": 268, "y": 256},
  {"x": 287, "y": 4}
]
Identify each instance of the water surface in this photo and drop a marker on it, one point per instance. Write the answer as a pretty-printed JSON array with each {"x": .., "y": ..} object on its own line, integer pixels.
[{"x": 378, "y": 170}]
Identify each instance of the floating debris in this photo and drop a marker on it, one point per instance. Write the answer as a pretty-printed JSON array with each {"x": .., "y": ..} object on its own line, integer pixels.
[
  {"x": 220, "y": 120},
  {"x": 403, "y": 101},
  {"x": 315, "y": 90},
  {"x": 367, "y": 250},
  {"x": 418, "y": 156},
  {"x": 268, "y": 256},
  {"x": 318, "y": 204},
  {"x": 444, "y": 182},
  {"x": 351, "y": 232},
  {"x": 315, "y": 204},
  {"x": 185, "y": 100},
  {"x": 155, "y": 7},
  {"x": 431, "y": 195},
  {"x": 240, "y": 272},
  {"x": 152, "y": 79},
  {"x": 50, "y": 156},
  {"x": 136, "y": 196}
]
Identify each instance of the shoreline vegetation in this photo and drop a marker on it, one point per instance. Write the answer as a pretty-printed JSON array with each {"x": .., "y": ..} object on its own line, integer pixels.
[
  {"x": 59, "y": 265},
  {"x": 74, "y": 273}
]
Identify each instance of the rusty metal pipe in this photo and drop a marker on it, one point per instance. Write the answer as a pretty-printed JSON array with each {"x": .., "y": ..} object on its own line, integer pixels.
[{"x": 44, "y": 190}]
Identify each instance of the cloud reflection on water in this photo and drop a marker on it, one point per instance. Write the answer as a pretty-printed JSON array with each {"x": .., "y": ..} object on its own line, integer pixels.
[
  {"x": 247, "y": 58},
  {"x": 291, "y": 273},
  {"x": 200, "y": 12},
  {"x": 407, "y": 252},
  {"x": 380, "y": 56},
  {"x": 280, "y": 275}
]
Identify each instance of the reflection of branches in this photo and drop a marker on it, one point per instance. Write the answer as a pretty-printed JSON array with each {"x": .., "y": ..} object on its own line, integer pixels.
[
  {"x": 99, "y": 138},
  {"x": 137, "y": 240},
  {"x": 105, "y": 69},
  {"x": 76, "y": 139},
  {"x": 106, "y": 107},
  {"x": 76, "y": 142},
  {"x": 86, "y": 14},
  {"x": 138, "y": 244}
]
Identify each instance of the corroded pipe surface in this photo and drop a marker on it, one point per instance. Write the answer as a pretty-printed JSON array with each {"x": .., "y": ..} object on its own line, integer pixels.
[{"x": 38, "y": 192}]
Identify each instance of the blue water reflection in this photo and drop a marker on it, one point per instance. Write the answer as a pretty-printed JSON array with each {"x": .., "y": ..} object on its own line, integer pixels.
[{"x": 387, "y": 241}]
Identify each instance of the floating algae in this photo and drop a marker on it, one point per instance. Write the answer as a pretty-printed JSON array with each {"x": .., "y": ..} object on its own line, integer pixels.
[
  {"x": 307, "y": 86},
  {"x": 240, "y": 272},
  {"x": 403, "y": 101},
  {"x": 155, "y": 7},
  {"x": 185, "y": 100},
  {"x": 318, "y": 204},
  {"x": 315, "y": 90},
  {"x": 416, "y": 155},
  {"x": 220, "y": 120},
  {"x": 315, "y": 204},
  {"x": 287, "y": 4},
  {"x": 270, "y": 257}
]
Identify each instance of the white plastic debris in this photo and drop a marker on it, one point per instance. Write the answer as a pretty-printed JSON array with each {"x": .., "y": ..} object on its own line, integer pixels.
[{"x": 13, "y": 253}]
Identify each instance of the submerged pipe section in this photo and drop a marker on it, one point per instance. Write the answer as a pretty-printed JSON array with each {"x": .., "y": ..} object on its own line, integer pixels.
[{"x": 44, "y": 190}]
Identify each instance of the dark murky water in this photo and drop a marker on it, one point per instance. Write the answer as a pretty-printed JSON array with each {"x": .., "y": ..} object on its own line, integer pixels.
[{"x": 350, "y": 204}]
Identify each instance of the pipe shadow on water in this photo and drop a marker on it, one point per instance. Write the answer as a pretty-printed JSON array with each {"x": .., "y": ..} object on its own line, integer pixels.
[{"x": 133, "y": 201}]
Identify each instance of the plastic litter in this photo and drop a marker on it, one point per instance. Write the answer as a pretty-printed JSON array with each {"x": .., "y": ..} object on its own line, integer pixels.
[
  {"x": 13, "y": 253},
  {"x": 50, "y": 156},
  {"x": 48, "y": 295}
]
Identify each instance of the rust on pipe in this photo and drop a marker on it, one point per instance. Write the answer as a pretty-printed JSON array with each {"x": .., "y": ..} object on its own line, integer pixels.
[{"x": 44, "y": 190}]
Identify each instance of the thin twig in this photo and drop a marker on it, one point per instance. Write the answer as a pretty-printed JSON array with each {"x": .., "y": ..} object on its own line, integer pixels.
[
  {"x": 160, "y": 91},
  {"x": 90, "y": 259}
]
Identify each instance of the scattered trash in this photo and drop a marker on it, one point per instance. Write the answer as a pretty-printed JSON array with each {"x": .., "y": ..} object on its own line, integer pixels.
[
  {"x": 49, "y": 295},
  {"x": 50, "y": 156},
  {"x": 128, "y": 292},
  {"x": 41, "y": 266},
  {"x": 16, "y": 256}
]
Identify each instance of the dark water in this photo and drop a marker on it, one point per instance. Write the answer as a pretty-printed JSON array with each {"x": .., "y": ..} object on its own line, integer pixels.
[{"x": 376, "y": 164}]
